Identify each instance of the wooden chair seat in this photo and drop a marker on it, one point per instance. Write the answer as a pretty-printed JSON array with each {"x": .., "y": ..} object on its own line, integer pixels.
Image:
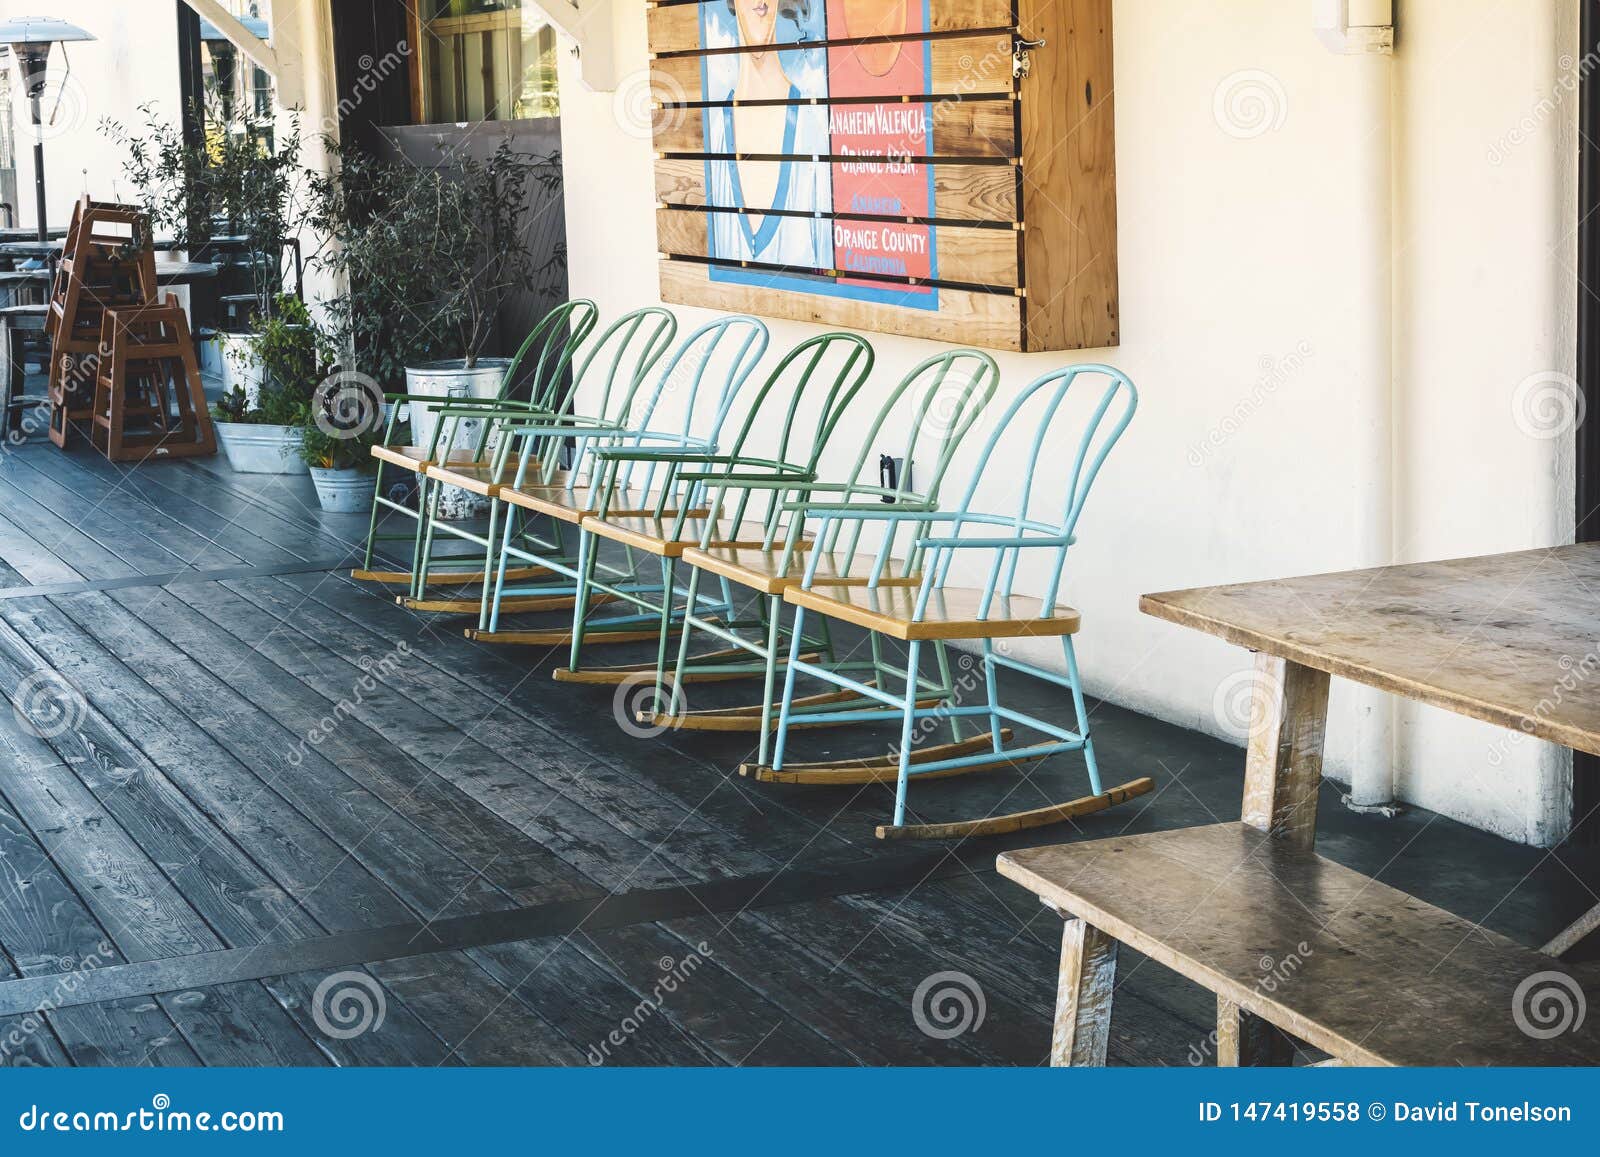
[
  {"x": 570, "y": 504},
  {"x": 951, "y": 613},
  {"x": 415, "y": 458},
  {"x": 1363, "y": 971},
  {"x": 656, "y": 534},
  {"x": 760, "y": 569},
  {"x": 478, "y": 477}
]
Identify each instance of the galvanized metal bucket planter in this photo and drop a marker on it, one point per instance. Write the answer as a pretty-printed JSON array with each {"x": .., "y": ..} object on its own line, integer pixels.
[
  {"x": 346, "y": 491},
  {"x": 452, "y": 379},
  {"x": 257, "y": 448}
]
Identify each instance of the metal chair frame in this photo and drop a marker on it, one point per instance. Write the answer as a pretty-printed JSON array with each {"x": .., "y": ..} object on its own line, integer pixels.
[
  {"x": 947, "y": 393},
  {"x": 718, "y": 495},
  {"x": 558, "y": 336},
  {"x": 995, "y": 613},
  {"x": 698, "y": 431},
  {"x": 529, "y": 446}
]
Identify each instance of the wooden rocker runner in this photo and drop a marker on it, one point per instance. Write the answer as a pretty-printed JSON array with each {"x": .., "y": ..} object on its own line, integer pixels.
[
  {"x": 936, "y": 610},
  {"x": 703, "y": 377},
  {"x": 936, "y": 403},
  {"x": 715, "y": 506},
  {"x": 556, "y": 337}
]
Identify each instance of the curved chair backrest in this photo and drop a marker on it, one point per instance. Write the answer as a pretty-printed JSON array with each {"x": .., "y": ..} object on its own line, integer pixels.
[
  {"x": 836, "y": 363},
  {"x": 945, "y": 393},
  {"x": 620, "y": 359},
  {"x": 720, "y": 355},
  {"x": 551, "y": 344},
  {"x": 1101, "y": 429}
]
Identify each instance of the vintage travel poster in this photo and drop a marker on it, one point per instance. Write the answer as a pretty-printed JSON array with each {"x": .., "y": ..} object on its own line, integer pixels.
[{"x": 757, "y": 113}]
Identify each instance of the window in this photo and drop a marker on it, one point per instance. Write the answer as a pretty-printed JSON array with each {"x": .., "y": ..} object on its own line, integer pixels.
[{"x": 484, "y": 60}]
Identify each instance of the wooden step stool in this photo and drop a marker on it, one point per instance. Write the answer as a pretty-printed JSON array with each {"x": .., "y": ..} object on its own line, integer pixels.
[
  {"x": 107, "y": 262},
  {"x": 148, "y": 398},
  {"x": 1296, "y": 946}
]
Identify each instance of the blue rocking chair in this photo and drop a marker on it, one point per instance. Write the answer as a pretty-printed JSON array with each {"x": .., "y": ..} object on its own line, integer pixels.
[{"x": 935, "y": 611}]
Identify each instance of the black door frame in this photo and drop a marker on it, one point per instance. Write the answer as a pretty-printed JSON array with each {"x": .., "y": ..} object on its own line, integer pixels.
[{"x": 1586, "y": 515}]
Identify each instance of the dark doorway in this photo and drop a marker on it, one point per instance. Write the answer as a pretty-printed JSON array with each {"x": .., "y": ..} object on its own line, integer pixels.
[
  {"x": 372, "y": 57},
  {"x": 1586, "y": 768}
]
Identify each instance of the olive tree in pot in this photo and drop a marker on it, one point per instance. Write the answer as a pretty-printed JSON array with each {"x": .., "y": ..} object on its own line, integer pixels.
[
  {"x": 243, "y": 182},
  {"x": 428, "y": 256}
]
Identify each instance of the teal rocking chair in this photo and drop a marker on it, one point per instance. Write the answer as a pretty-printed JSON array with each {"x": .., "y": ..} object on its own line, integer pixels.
[
  {"x": 872, "y": 594},
  {"x": 553, "y": 342},
  {"x": 702, "y": 378}
]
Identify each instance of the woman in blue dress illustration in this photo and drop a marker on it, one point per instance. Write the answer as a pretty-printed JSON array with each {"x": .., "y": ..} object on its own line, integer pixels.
[{"x": 770, "y": 73}]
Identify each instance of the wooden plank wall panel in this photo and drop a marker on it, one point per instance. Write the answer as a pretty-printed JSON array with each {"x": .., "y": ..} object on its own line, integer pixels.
[
  {"x": 962, "y": 66},
  {"x": 976, "y": 130},
  {"x": 676, "y": 27},
  {"x": 992, "y": 320},
  {"x": 966, "y": 254},
  {"x": 870, "y": 144},
  {"x": 962, "y": 192},
  {"x": 1069, "y": 171}
]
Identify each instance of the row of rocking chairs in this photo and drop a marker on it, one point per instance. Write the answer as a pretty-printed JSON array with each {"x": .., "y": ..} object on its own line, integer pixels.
[{"x": 613, "y": 494}]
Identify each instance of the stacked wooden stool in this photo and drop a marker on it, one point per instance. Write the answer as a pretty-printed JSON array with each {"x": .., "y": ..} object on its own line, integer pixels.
[
  {"x": 148, "y": 400},
  {"x": 119, "y": 354}
]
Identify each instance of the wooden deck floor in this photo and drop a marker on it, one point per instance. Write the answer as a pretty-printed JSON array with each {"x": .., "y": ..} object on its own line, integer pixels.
[{"x": 272, "y": 804}]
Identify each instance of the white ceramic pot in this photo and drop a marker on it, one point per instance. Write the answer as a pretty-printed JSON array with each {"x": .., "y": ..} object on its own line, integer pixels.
[
  {"x": 347, "y": 491},
  {"x": 256, "y": 448},
  {"x": 445, "y": 380},
  {"x": 228, "y": 356}
]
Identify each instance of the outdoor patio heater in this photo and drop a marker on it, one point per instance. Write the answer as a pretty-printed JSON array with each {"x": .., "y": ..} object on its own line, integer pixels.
[{"x": 30, "y": 38}]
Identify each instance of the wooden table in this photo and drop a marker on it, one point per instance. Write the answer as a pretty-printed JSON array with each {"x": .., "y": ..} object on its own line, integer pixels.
[{"x": 1510, "y": 639}]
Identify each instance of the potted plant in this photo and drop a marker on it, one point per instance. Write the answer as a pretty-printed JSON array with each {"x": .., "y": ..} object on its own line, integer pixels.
[
  {"x": 428, "y": 256},
  {"x": 339, "y": 457},
  {"x": 234, "y": 197},
  {"x": 260, "y": 431}
]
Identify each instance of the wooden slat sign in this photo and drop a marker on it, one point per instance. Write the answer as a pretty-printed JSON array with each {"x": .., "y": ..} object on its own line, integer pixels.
[{"x": 861, "y": 154}]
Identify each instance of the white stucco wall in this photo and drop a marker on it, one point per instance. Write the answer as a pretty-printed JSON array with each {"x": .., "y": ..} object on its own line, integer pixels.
[
  {"x": 132, "y": 61},
  {"x": 1292, "y": 419}
]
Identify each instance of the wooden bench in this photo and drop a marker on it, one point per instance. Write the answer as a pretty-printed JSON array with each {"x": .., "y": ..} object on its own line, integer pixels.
[{"x": 1294, "y": 945}]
